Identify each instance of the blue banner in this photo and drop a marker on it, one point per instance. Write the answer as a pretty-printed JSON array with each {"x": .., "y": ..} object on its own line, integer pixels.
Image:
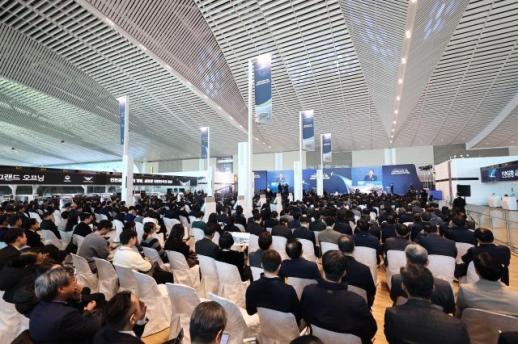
[
  {"x": 326, "y": 148},
  {"x": 308, "y": 131},
  {"x": 402, "y": 177},
  {"x": 204, "y": 143},
  {"x": 122, "y": 117},
  {"x": 337, "y": 180},
  {"x": 309, "y": 180},
  {"x": 276, "y": 178},
  {"x": 260, "y": 182},
  {"x": 263, "y": 88}
]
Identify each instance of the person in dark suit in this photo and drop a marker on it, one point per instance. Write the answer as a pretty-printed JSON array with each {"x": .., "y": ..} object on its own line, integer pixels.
[
  {"x": 282, "y": 229},
  {"x": 317, "y": 225},
  {"x": 418, "y": 320},
  {"x": 329, "y": 305},
  {"x": 125, "y": 317},
  {"x": 370, "y": 177},
  {"x": 55, "y": 321},
  {"x": 485, "y": 243},
  {"x": 254, "y": 227},
  {"x": 459, "y": 203},
  {"x": 231, "y": 225},
  {"x": 33, "y": 238},
  {"x": 83, "y": 227},
  {"x": 270, "y": 291},
  {"x": 363, "y": 238},
  {"x": 399, "y": 242},
  {"x": 208, "y": 321},
  {"x": 303, "y": 232},
  {"x": 460, "y": 232},
  {"x": 405, "y": 216},
  {"x": 264, "y": 241},
  {"x": 357, "y": 274},
  {"x": 236, "y": 258},
  {"x": 297, "y": 266},
  {"x": 296, "y": 220},
  {"x": 442, "y": 295},
  {"x": 270, "y": 219},
  {"x": 15, "y": 239},
  {"x": 205, "y": 246},
  {"x": 417, "y": 226},
  {"x": 388, "y": 228},
  {"x": 48, "y": 224},
  {"x": 436, "y": 244}
]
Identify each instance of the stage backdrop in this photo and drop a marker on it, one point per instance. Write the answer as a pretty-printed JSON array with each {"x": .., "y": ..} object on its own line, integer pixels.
[
  {"x": 274, "y": 178},
  {"x": 260, "y": 181},
  {"x": 402, "y": 176}
]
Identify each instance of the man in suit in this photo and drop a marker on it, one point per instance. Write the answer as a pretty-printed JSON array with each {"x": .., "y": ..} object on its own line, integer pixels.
[
  {"x": 364, "y": 239},
  {"x": 488, "y": 292},
  {"x": 264, "y": 242},
  {"x": 329, "y": 305},
  {"x": 397, "y": 243},
  {"x": 53, "y": 320},
  {"x": 83, "y": 228},
  {"x": 388, "y": 228},
  {"x": 33, "y": 238},
  {"x": 341, "y": 224},
  {"x": 405, "y": 216},
  {"x": 254, "y": 227},
  {"x": 15, "y": 239},
  {"x": 205, "y": 246},
  {"x": 485, "y": 243},
  {"x": 95, "y": 245},
  {"x": 303, "y": 231},
  {"x": 418, "y": 320},
  {"x": 460, "y": 232},
  {"x": 297, "y": 266},
  {"x": 125, "y": 318},
  {"x": 357, "y": 274},
  {"x": 48, "y": 224},
  {"x": 459, "y": 203},
  {"x": 317, "y": 225},
  {"x": 442, "y": 294},
  {"x": 282, "y": 229},
  {"x": 270, "y": 291},
  {"x": 295, "y": 223},
  {"x": 434, "y": 243}
]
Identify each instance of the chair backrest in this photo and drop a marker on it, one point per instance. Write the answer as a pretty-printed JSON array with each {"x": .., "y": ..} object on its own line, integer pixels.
[
  {"x": 169, "y": 223},
  {"x": 35, "y": 216},
  {"x": 299, "y": 284},
  {"x": 256, "y": 272},
  {"x": 277, "y": 327},
  {"x": 139, "y": 227},
  {"x": 484, "y": 326},
  {"x": 51, "y": 238},
  {"x": 396, "y": 260},
  {"x": 80, "y": 264},
  {"x": 328, "y": 246},
  {"x": 183, "y": 298},
  {"x": 192, "y": 218},
  {"x": 253, "y": 243},
  {"x": 367, "y": 256},
  {"x": 146, "y": 285},
  {"x": 359, "y": 291},
  {"x": 152, "y": 254},
  {"x": 207, "y": 266},
  {"x": 78, "y": 240},
  {"x": 279, "y": 245},
  {"x": 236, "y": 325},
  {"x": 119, "y": 226},
  {"x": 108, "y": 281},
  {"x": 150, "y": 219},
  {"x": 197, "y": 233},
  {"x": 408, "y": 224},
  {"x": 462, "y": 248},
  {"x": 330, "y": 337},
  {"x": 240, "y": 227},
  {"x": 308, "y": 250},
  {"x": 442, "y": 267},
  {"x": 227, "y": 273},
  {"x": 184, "y": 220},
  {"x": 127, "y": 280},
  {"x": 177, "y": 260}
]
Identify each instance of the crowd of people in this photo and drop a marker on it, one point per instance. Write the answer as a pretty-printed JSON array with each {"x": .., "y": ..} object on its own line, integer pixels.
[{"x": 38, "y": 279}]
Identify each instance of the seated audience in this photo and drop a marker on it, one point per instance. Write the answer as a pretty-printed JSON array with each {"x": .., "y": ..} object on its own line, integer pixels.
[
  {"x": 297, "y": 266},
  {"x": 329, "y": 234},
  {"x": 53, "y": 320},
  {"x": 317, "y": 225},
  {"x": 199, "y": 223},
  {"x": 48, "y": 224},
  {"x": 125, "y": 318},
  {"x": 265, "y": 242},
  {"x": 255, "y": 227},
  {"x": 357, "y": 274},
  {"x": 15, "y": 239},
  {"x": 442, "y": 294},
  {"x": 270, "y": 291},
  {"x": 460, "y": 232},
  {"x": 388, "y": 228},
  {"x": 331, "y": 306},
  {"x": 434, "y": 243},
  {"x": 303, "y": 231},
  {"x": 206, "y": 247},
  {"x": 397, "y": 243},
  {"x": 33, "y": 237},
  {"x": 363, "y": 238},
  {"x": 231, "y": 225},
  {"x": 229, "y": 256},
  {"x": 418, "y": 320},
  {"x": 342, "y": 224},
  {"x": 208, "y": 321},
  {"x": 176, "y": 242},
  {"x": 95, "y": 244},
  {"x": 488, "y": 292},
  {"x": 151, "y": 241},
  {"x": 282, "y": 229},
  {"x": 83, "y": 227}
]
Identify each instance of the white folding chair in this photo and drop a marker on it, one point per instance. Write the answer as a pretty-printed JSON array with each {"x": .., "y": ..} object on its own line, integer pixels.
[
  {"x": 484, "y": 327},
  {"x": 277, "y": 327},
  {"x": 98, "y": 217},
  {"x": 84, "y": 275},
  {"x": 279, "y": 245},
  {"x": 408, "y": 224},
  {"x": 78, "y": 240},
  {"x": 192, "y": 218},
  {"x": 328, "y": 246},
  {"x": 182, "y": 272},
  {"x": 462, "y": 248},
  {"x": 197, "y": 233},
  {"x": 256, "y": 272},
  {"x": 51, "y": 238},
  {"x": 58, "y": 220},
  {"x": 359, "y": 291},
  {"x": 367, "y": 256},
  {"x": 240, "y": 227},
  {"x": 103, "y": 217},
  {"x": 471, "y": 275},
  {"x": 12, "y": 323},
  {"x": 396, "y": 260},
  {"x": 442, "y": 267},
  {"x": 330, "y": 337},
  {"x": 35, "y": 216},
  {"x": 108, "y": 282},
  {"x": 183, "y": 302},
  {"x": 156, "y": 298},
  {"x": 169, "y": 223},
  {"x": 253, "y": 243},
  {"x": 127, "y": 281},
  {"x": 209, "y": 275},
  {"x": 299, "y": 284},
  {"x": 230, "y": 284},
  {"x": 139, "y": 228},
  {"x": 240, "y": 325},
  {"x": 308, "y": 250},
  {"x": 153, "y": 255},
  {"x": 150, "y": 219},
  {"x": 184, "y": 220}
]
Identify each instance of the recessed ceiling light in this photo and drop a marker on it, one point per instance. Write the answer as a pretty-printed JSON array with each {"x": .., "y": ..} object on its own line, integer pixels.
[
  {"x": 393, "y": 129},
  {"x": 395, "y": 122},
  {"x": 403, "y": 60},
  {"x": 398, "y": 98},
  {"x": 408, "y": 34},
  {"x": 396, "y": 112},
  {"x": 400, "y": 81},
  {"x": 390, "y": 141}
]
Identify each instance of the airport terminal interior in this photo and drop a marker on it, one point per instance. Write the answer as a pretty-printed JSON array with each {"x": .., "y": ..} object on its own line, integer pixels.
[{"x": 259, "y": 171}]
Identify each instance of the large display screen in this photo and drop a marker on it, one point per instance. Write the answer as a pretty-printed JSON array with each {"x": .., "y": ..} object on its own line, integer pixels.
[{"x": 500, "y": 173}]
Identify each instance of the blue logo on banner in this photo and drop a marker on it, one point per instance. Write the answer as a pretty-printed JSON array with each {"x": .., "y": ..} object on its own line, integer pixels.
[
  {"x": 205, "y": 143},
  {"x": 308, "y": 131},
  {"x": 326, "y": 148},
  {"x": 122, "y": 115},
  {"x": 263, "y": 88}
]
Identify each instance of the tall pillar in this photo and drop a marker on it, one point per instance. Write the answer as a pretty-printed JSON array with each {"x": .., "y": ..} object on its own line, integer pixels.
[
  {"x": 297, "y": 180},
  {"x": 278, "y": 162},
  {"x": 127, "y": 160}
]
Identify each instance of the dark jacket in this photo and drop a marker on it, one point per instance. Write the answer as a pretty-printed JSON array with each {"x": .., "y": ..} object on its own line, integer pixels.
[
  {"x": 234, "y": 258},
  {"x": 255, "y": 258},
  {"x": 501, "y": 253},
  {"x": 82, "y": 229},
  {"x": 50, "y": 226},
  {"x": 254, "y": 228},
  {"x": 317, "y": 226},
  {"x": 206, "y": 247},
  {"x": 108, "y": 335},
  {"x": 442, "y": 294},
  {"x": 300, "y": 268},
  {"x": 359, "y": 275},
  {"x": 332, "y": 307},
  {"x": 343, "y": 228},
  {"x": 419, "y": 321},
  {"x": 303, "y": 233},
  {"x": 33, "y": 239},
  {"x": 461, "y": 234},
  {"x": 272, "y": 293},
  {"x": 282, "y": 231},
  {"x": 435, "y": 244},
  {"x": 388, "y": 230},
  {"x": 7, "y": 254}
]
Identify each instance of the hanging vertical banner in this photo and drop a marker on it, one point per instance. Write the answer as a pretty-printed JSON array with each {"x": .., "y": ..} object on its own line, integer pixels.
[
  {"x": 122, "y": 116},
  {"x": 308, "y": 131},
  {"x": 326, "y": 148},
  {"x": 204, "y": 142},
  {"x": 263, "y": 88}
]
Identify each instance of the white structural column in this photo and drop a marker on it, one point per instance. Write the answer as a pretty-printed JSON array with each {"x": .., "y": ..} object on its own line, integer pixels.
[
  {"x": 278, "y": 161},
  {"x": 297, "y": 167},
  {"x": 390, "y": 156},
  {"x": 320, "y": 171},
  {"x": 242, "y": 169},
  {"x": 249, "y": 174},
  {"x": 127, "y": 159}
]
